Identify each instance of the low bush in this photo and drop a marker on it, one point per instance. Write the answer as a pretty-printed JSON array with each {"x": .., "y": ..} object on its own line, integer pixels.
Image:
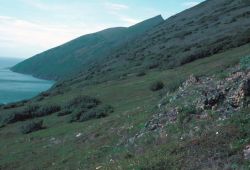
[
  {"x": 47, "y": 110},
  {"x": 96, "y": 113},
  {"x": 29, "y": 112},
  {"x": 174, "y": 84},
  {"x": 76, "y": 115},
  {"x": 153, "y": 66},
  {"x": 83, "y": 102},
  {"x": 141, "y": 73},
  {"x": 158, "y": 85},
  {"x": 88, "y": 114},
  {"x": 64, "y": 112},
  {"x": 185, "y": 114},
  {"x": 32, "y": 126}
]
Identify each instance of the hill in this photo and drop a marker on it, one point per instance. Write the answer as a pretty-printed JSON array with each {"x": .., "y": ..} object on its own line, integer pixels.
[
  {"x": 149, "y": 113},
  {"x": 76, "y": 55},
  {"x": 126, "y": 137},
  {"x": 206, "y": 29}
]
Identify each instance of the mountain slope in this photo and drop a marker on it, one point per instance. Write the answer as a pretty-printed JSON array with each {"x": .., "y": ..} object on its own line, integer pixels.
[
  {"x": 109, "y": 142},
  {"x": 70, "y": 58},
  {"x": 201, "y": 122},
  {"x": 206, "y": 29}
]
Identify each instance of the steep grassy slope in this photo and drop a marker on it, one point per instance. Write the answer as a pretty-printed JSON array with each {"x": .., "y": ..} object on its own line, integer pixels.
[
  {"x": 76, "y": 55},
  {"x": 117, "y": 140},
  {"x": 105, "y": 142},
  {"x": 208, "y": 28}
]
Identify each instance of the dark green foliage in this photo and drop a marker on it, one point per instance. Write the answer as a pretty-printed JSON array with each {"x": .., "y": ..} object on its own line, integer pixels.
[
  {"x": 32, "y": 126},
  {"x": 47, "y": 110},
  {"x": 21, "y": 115},
  {"x": 29, "y": 112},
  {"x": 141, "y": 73},
  {"x": 64, "y": 112},
  {"x": 245, "y": 63},
  {"x": 76, "y": 115},
  {"x": 158, "y": 85},
  {"x": 83, "y": 102},
  {"x": 153, "y": 65},
  {"x": 174, "y": 84},
  {"x": 185, "y": 114},
  {"x": 94, "y": 113}
]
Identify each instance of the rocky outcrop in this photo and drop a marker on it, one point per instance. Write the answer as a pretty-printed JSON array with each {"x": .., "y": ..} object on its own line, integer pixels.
[
  {"x": 204, "y": 94},
  {"x": 246, "y": 152}
]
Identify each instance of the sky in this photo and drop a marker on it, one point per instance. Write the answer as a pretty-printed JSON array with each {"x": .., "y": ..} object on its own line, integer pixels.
[{"x": 29, "y": 27}]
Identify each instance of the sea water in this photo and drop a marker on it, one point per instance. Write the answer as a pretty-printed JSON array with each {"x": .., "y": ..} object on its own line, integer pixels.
[{"x": 16, "y": 87}]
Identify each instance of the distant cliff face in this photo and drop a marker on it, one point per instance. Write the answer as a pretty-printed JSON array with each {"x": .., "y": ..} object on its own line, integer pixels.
[{"x": 76, "y": 55}]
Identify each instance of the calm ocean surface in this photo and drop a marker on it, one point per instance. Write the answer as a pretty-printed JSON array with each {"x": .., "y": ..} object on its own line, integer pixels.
[{"x": 16, "y": 87}]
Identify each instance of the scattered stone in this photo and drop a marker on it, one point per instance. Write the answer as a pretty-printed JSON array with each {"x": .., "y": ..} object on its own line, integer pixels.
[
  {"x": 191, "y": 80},
  {"x": 246, "y": 152},
  {"x": 206, "y": 94}
]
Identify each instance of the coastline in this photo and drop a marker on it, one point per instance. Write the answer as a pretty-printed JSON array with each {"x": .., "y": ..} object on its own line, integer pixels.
[{"x": 15, "y": 87}]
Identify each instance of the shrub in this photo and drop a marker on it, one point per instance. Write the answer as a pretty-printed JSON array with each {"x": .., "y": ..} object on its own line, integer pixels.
[
  {"x": 10, "y": 106},
  {"x": 15, "y": 117},
  {"x": 94, "y": 113},
  {"x": 76, "y": 115},
  {"x": 29, "y": 112},
  {"x": 1, "y": 105},
  {"x": 174, "y": 84},
  {"x": 2, "y": 126},
  {"x": 46, "y": 110},
  {"x": 83, "y": 102},
  {"x": 153, "y": 65},
  {"x": 140, "y": 74},
  {"x": 185, "y": 113},
  {"x": 158, "y": 85},
  {"x": 97, "y": 113},
  {"x": 245, "y": 63},
  {"x": 33, "y": 126},
  {"x": 64, "y": 112}
]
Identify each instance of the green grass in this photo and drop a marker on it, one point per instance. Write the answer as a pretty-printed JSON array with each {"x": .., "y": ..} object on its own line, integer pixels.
[{"x": 103, "y": 139}]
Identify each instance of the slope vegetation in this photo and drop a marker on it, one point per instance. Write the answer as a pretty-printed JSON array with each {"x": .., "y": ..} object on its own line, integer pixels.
[
  {"x": 109, "y": 143},
  {"x": 206, "y": 29},
  {"x": 77, "y": 55}
]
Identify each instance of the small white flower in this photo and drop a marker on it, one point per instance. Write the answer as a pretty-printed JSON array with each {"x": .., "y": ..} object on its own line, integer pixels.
[
  {"x": 99, "y": 167},
  {"x": 79, "y": 135},
  {"x": 217, "y": 133}
]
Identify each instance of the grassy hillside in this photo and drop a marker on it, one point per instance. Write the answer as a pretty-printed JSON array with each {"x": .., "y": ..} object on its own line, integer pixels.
[
  {"x": 206, "y": 29},
  {"x": 175, "y": 98},
  {"x": 77, "y": 55},
  {"x": 107, "y": 142}
]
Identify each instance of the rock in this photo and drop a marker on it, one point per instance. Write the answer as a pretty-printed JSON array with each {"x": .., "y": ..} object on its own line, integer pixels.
[
  {"x": 191, "y": 80},
  {"x": 205, "y": 94},
  {"x": 237, "y": 99},
  {"x": 245, "y": 86},
  {"x": 153, "y": 127},
  {"x": 246, "y": 152}
]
